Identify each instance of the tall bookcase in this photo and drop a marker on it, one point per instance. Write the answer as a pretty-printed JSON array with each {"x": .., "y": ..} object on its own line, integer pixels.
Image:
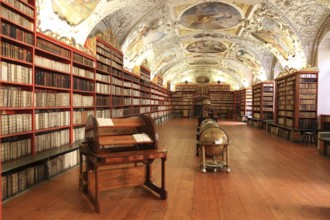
[
  {"x": 245, "y": 104},
  {"x": 262, "y": 104},
  {"x": 325, "y": 122},
  {"x": 222, "y": 100},
  {"x": 295, "y": 105},
  {"x": 237, "y": 104},
  {"x": 47, "y": 90}
]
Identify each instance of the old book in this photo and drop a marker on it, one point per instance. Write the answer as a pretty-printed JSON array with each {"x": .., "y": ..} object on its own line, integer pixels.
[
  {"x": 142, "y": 138},
  {"x": 104, "y": 122}
]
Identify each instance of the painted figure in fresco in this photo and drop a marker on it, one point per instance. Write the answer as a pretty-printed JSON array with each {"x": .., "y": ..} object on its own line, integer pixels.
[
  {"x": 206, "y": 46},
  {"x": 210, "y": 15},
  {"x": 148, "y": 34}
]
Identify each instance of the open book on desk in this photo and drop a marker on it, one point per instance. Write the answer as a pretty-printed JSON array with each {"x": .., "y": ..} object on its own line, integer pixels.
[{"x": 142, "y": 138}]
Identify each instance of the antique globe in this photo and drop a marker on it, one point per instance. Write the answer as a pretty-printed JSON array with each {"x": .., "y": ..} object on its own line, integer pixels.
[
  {"x": 215, "y": 141},
  {"x": 208, "y": 123},
  {"x": 205, "y": 121}
]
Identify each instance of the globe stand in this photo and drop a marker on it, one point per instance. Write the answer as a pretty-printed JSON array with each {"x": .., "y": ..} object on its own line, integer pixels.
[{"x": 214, "y": 164}]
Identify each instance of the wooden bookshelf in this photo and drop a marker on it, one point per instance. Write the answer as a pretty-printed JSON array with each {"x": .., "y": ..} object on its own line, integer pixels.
[
  {"x": 245, "y": 104},
  {"x": 295, "y": 105},
  {"x": 222, "y": 100},
  {"x": 325, "y": 122},
  {"x": 47, "y": 91},
  {"x": 262, "y": 104}
]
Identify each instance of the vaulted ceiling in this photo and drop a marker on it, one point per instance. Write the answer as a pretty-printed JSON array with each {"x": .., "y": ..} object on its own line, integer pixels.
[{"x": 239, "y": 42}]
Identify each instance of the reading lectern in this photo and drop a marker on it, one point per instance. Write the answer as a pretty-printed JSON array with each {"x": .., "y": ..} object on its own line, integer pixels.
[{"x": 119, "y": 153}]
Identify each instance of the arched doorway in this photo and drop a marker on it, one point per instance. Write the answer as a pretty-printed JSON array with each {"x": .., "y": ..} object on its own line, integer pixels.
[{"x": 198, "y": 105}]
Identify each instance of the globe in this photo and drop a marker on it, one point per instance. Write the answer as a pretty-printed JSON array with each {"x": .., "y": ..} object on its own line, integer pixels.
[
  {"x": 208, "y": 123},
  {"x": 214, "y": 140},
  {"x": 208, "y": 120}
]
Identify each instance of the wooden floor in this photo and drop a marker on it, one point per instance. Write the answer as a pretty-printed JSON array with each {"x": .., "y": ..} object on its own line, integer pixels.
[{"x": 270, "y": 179}]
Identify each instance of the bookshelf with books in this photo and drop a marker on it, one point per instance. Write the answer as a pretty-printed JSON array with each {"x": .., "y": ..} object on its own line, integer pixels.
[
  {"x": 237, "y": 104},
  {"x": 182, "y": 99},
  {"x": 245, "y": 104},
  {"x": 17, "y": 39},
  {"x": 35, "y": 92},
  {"x": 262, "y": 104},
  {"x": 47, "y": 91},
  {"x": 160, "y": 103},
  {"x": 145, "y": 91},
  {"x": 295, "y": 105},
  {"x": 109, "y": 81},
  {"x": 222, "y": 100},
  {"x": 324, "y": 122}
]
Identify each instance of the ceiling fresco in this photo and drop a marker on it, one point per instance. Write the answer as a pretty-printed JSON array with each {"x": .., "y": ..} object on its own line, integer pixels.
[
  {"x": 232, "y": 41},
  {"x": 210, "y": 15}
]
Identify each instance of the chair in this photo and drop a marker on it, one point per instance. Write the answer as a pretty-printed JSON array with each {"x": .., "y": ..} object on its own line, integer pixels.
[{"x": 310, "y": 137}]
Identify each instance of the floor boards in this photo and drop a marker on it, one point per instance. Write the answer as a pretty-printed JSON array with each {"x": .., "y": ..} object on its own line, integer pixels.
[{"x": 270, "y": 178}]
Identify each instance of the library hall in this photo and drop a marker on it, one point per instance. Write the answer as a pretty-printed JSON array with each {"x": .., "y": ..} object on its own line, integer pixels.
[{"x": 165, "y": 109}]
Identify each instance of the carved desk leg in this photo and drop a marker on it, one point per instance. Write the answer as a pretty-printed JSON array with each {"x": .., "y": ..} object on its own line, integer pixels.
[
  {"x": 163, "y": 194},
  {"x": 203, "y": 160}
]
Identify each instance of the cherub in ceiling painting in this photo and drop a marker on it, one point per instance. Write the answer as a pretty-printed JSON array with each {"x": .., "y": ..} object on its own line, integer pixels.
[
  {"x": 210, "y": 15},
  {"x": 206, "y": 46},
  {"x": 247, "y": 59},
  {"x": 273, "y": 34},
  {"x": 147, "y": 34},
  {"x": 74, "y": 12}
]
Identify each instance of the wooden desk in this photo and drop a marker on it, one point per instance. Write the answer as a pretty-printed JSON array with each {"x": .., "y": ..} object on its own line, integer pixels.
[
  {"x": 119, "y": 153},
  {"x": 323, "y": 146},
  {"x": 102, "y": 172}
]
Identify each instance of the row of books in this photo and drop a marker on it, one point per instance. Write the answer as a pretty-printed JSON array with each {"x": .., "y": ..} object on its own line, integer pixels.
[
  {"x": 307, "y": 107},
  {"x": 307, "y": 114},
  {"x": 17, "y": 182},
  {"x": 51, "y": 64},
  {"x": 51, "y": 119},
  {"x": 53, "y": 48},
  {"x": 82, "y": 72},
  {"x": 105, "y": 51},
  {"x": 14, "y": 148},
  {"x": 15, "y": 52},
  {"x": 103, "y": 88},
  {"x": 104, "y": 68},
  {"x": 219, "y": 88},
  {"x": 17, "y": 33},
  {"x": 103, "y": 101},
  {"x": 47, "y": 98},
  {"x": 264, "y": 115},
  {"x": 20, "y": 6},
  {"x": 83, "y": 84},
  {"x": 15, "y": 73},
  {"x": 308, "y": 80},
  {"x": 80, "y": 116},
  {"x": 63, "y": 162},
  {"x": 51, "y": 140},
  {"x": 82, "y": 100},
  {"x": 12, "y": 16},
  {"x": 78, "y": 134},
  {"x": 308, "y": 86},
  {"x": 15, "y": 97},
  {"x": 15, "y": 123},
  {"x": 106, "y": 78},
  {"x": 83, "y": 60},
  {"x": 52, "y": 79},
  {"x": 103, "y": 59},
  {"x": 121, "y": 101},
  {"x": 103, "y": 113}
]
